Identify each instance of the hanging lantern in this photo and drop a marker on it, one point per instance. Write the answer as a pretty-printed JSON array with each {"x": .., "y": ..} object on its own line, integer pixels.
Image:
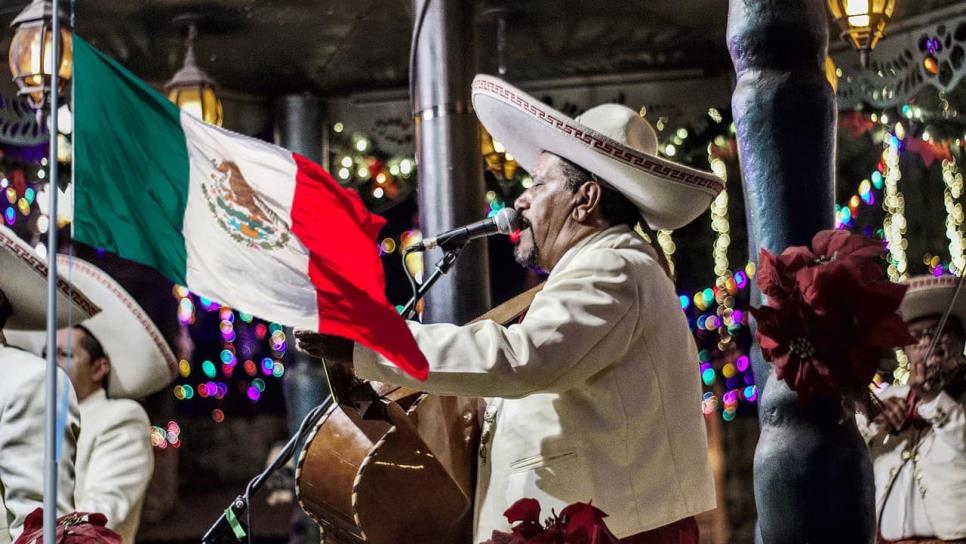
[
  {"x": 500, "y": 163},
  {"x": 862, "y": 22},
  {"x": 193, "y": 90},
  {"x": 31, "y": 51}
]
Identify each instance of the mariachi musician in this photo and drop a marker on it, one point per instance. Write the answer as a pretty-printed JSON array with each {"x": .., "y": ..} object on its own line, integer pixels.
[
  {"x": 595, "y": 394},
  {"x": 918, "y": 441}
]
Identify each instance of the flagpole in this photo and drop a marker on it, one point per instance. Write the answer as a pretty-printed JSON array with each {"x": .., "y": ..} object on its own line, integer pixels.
[{"x": 50, "y": 428}]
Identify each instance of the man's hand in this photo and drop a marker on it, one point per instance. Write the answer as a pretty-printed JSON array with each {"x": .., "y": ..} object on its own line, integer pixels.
[
  {"x": 323, "y": 346},
  {"x": 894, "y": 411},
  {"x": 924, "y": 379}
]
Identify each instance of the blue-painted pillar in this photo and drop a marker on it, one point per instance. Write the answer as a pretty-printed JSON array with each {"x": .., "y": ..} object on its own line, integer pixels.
[{"x": 813, "y": 478}]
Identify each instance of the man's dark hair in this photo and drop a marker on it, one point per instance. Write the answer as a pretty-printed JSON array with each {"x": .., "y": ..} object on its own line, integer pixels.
[
  {"x": 615, "y": 208},
  {"x": 94, "y": 350},
  {"x": 90, "y": 344},
  {"x": 6, "y": 310}
]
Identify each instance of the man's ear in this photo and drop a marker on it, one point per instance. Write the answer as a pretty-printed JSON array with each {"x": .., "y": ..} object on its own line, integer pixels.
[
  {"x": 100, "y": 369},
  {"x": 588, "y": 197}
]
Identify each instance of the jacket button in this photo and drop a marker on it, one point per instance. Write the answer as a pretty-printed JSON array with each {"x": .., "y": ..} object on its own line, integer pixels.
[
  {"x": 906, "y": 454},
  {"x": 919, "y": 476},
  {"x": 916, "y": 458}
]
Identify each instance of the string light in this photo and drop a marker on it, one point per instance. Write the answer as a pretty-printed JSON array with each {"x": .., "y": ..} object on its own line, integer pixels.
[
  {"x": 901, "y": 374},
  {"x": 668, "y": 247},
  {"x": 725, "y": 283},
  {"x": 894, "y": 224},
  {"x": 953, "y": 180}
]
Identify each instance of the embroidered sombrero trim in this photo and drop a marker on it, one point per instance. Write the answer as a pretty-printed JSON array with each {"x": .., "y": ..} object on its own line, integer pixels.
[
  {"x": 600, "y": 144},
  {"x": 40, "y": 267},
  {"x": 933, "y": 282},
  {"x": 135, "y": 309}
]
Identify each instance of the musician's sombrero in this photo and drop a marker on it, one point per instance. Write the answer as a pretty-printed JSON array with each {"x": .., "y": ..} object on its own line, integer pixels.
[
  {"x": 611, "y": 141},
  {"x": 930, "y": 296},
  {"x": 23, "y": 279},
  {"x": 141, "y": 360}
]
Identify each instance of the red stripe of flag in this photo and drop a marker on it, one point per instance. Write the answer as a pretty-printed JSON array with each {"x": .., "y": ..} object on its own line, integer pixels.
[{"x": 344, "y": 265}]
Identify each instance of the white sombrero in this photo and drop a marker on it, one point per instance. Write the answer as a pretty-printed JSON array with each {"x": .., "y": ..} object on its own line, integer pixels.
[
  {"x": 141, "y": 360},
  {"x": 23, "y": 279},
  {"x": 610, "y": 140},
  {"x": 931, "y": 295}
]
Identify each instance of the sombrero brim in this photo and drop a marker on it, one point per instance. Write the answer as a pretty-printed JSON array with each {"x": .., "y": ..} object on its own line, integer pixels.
[
  {"x": 668, "y": 194},
  {"x": 24, "y": 282},
  {"x": 141, "y": 360},
  {"x": 931, "y": 295}
]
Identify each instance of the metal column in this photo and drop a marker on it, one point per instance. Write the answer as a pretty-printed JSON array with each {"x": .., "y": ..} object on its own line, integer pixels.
[
  {"x": 813, "y": 478},
  {"x": 448, "y": 152},
  {"x": 299, "y": 128},
  {"x": 298, "y": 125}
]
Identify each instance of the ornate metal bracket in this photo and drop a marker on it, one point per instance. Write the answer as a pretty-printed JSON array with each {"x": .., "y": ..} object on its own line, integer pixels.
[{"x": 903, "y": 64}]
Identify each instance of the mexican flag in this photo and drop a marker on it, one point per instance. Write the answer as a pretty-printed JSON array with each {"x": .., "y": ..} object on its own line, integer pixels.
[{"x": 235, "y": 219}]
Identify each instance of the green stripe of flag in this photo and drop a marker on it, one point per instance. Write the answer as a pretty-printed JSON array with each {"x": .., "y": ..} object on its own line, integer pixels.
[{"x": 130, "y": 165}]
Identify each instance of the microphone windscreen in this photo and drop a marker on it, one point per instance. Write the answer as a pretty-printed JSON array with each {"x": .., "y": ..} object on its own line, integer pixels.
[{"x": 506, "y": 221}]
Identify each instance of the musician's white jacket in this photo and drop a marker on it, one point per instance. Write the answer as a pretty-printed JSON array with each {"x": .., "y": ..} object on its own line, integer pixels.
[
  {"x": 599, "y": 387},
  {"x": 22, "y": 441},
  {"x": 924, "y": 481},
  {"x": 114, "y": 461}
]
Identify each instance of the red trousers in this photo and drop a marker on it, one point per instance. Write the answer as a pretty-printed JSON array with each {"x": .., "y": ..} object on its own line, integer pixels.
[{"x": 682, "y": 531}]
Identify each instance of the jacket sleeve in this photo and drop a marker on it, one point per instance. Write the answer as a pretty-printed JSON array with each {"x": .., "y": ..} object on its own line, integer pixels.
[
  {"x": 120, "y": 467},
  {"x": 583, "y": 320},
  {"x": 22, "y": 449},
  {"x": 948, "y": 421}
]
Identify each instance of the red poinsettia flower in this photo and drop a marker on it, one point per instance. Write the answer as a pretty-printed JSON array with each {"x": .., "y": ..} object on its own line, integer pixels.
[
  {"x": 585, "y": 525},
  {"x": 73, "y": 528},
  {"x": 830, "y": 313},
  {"x": 578, "y": 523},
  {"x": 789, "y": 338},
  {"x": 527, "y": 513}
]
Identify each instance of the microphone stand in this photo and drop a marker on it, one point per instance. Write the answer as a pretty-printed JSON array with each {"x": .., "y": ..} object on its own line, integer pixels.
[
  {"x": 442, "y": 266},
  {"x": 229, "y": 527}
]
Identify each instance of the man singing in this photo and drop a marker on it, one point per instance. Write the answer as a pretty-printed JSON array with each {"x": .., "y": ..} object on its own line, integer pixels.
[{"x": 596, "y": 394}]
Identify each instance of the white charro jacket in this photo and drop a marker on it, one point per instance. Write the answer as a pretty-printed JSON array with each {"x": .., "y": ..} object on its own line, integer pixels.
[
  {"x": 22, "y": 400},
  {"x": 114, "y": 461},
  {"x": 598, "y": 387},
  {"x": 937, "y": 461}
]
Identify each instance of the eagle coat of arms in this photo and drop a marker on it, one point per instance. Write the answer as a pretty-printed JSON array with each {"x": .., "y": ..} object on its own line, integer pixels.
[{"x": 240, "y": 211}]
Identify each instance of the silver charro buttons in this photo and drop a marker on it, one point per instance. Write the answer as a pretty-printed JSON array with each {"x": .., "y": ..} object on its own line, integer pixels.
[{"x": 489, "y": 419}]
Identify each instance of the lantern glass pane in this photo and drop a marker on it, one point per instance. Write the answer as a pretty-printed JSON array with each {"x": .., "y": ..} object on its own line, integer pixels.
[
  {"x": 889, "y": 8},
  {"x": 859, "y": 21},
  {"x": 187, "y": 98},
  {"x": 857, "y": 7},
  {"x": 28, "y": 66},
  {"x": 878, "y": 6},
  {"x": 25, "y": 52},
  {"x": 67, "y": 55},
  {"x": 835, "y": 9},
  {"x": 212, "y": 112},
  {"x": 198, "y": 100}
]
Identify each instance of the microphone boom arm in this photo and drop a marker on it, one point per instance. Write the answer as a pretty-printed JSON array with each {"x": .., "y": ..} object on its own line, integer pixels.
[{"x": 442, "y": 266}]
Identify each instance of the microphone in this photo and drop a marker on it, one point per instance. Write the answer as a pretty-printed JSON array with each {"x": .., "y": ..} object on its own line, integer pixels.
[{"x": 504, "y": 222}]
